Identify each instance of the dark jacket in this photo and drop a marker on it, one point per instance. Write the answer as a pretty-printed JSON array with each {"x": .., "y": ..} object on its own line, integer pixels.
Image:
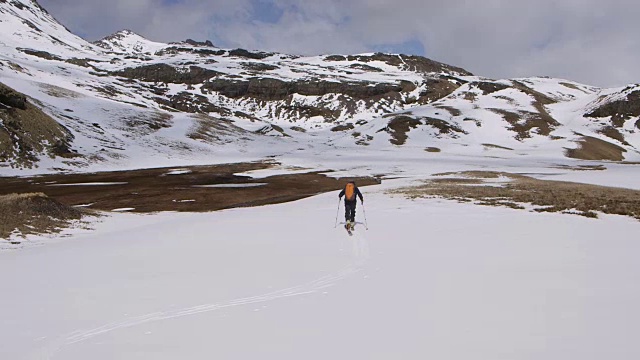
[{"x": 356, "y": 191}]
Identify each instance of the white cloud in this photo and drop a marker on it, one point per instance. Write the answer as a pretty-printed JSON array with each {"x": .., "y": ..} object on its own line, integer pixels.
[{"x": 590, "y": 41}]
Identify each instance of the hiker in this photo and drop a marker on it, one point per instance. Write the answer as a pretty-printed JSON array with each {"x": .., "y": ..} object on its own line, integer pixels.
[{"x": 349, "y": 192}]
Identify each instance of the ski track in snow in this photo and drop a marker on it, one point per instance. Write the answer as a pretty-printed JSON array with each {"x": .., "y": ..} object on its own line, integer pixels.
[{"x": 360, "y": 254}]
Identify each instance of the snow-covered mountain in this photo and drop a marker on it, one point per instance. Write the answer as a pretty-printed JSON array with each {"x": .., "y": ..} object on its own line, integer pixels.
[{"x": 127, "y": 101}]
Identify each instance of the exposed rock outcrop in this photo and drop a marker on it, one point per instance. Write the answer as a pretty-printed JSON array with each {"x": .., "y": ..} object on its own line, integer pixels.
[
  {"x": 249, "y": 55},
  {"x": 619, "y": 110},
  {"x": 174, "y": 50},
  {"x": 489, "y": 87},
  {"x": 168, "y": 74},
  {"x": 12, "y": 98},
  {"x": 207, "y": 43},
  {"x": 274, "y": 89}
]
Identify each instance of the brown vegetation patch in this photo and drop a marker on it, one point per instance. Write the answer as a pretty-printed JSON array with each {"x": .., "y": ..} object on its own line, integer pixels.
[
  {"x": 364, "y": 67},
  {"x": 399, "y": 126},
  {"x": 475, "y": 174},
  {"x": 470, "y": 96},
  {"x": 591, "y": 148},
  {"x": 213, "y": 130},
  {"x": 453, "y": 111},
  {"x": 147, "y": 122},
  {"x": 543, "y": 195},
  {"x": 523, "y": 122},
  {"x": 34, "y": 213},
  {"x": 432, "y": 150},
  {"x": 493, "y": 146},
  {"x": 151, "y": 190},
  {"x": 308, "y": 111},
  {"x": 363, "y": 140},
  {"x": 407, "y": 113},
  {"x": 444, "y": 127},
  {"x": 436, "y": 89},
  {"x": 266, "y": 130},
  {"x": 476, "y": 121},
  {"x": 507, "y": 99},
  {"x": 191, "y": 103},
  {"x": 26, "y": 132},
  {"x": 343, "y": 127},
  {"x": 254, "y": 66},
  {"x": 612, "y": 132},
  {"x": 542, "y": 119},
  {"x": 59, "y": 92},
  {"x": 582, "y": 167},
  {"x": 41, "y": 54},
  {"x": 15, "y": 67},
  {"x": 489, "y": 87},
  {"x": 83, "y": 62},
  {"x": 571, "y": 86},
  {"x": 539, "y": 97}
]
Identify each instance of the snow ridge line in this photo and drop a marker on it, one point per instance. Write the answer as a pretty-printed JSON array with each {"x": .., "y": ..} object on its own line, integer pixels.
[{"x": 361, "y": 254}]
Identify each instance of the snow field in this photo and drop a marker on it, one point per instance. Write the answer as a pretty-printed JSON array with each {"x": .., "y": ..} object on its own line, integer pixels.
[{"x": 431, "y": 278}]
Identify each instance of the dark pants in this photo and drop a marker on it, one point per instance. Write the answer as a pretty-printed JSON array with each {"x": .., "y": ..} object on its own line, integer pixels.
[{"x": 350, "y": 211}]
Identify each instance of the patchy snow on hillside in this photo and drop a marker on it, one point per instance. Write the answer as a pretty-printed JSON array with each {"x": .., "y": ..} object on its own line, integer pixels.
[{"x": 122, "y": 120}]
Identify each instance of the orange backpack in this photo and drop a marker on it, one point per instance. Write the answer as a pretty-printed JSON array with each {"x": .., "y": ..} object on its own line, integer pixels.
[{"x": 350, "y": 191}]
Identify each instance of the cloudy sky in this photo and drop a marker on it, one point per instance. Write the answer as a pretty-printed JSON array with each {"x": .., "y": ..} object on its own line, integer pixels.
[{"x": 591, "y": 41}]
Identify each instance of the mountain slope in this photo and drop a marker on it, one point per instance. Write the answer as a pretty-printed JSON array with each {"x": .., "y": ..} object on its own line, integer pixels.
[
  {"x": 27, "y": 133},
  {"x": 523, "y": 115},
  {"x": 127, "y": 100}
]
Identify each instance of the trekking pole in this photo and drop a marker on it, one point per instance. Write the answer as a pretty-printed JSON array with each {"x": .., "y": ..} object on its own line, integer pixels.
[
  {"x": 337, "y": 213},
  {"x": 364, "y": 212}
]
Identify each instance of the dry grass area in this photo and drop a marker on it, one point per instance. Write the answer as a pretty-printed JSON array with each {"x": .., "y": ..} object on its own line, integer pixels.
[
  {"x": 582, "y": 167},
  {"x": 512, "y": 190},
  {"x": 613, "y": 133},
  {"x": 60, "y": 92},
  {"x": 34, "y": 213},
  {"x": 188, "y": 189},
  {"x": 213, "y": 130},
  {"x": 571, "y": 86},
  {"x": 26, "y": 132},
  {"x": 591, "y": 148}
]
